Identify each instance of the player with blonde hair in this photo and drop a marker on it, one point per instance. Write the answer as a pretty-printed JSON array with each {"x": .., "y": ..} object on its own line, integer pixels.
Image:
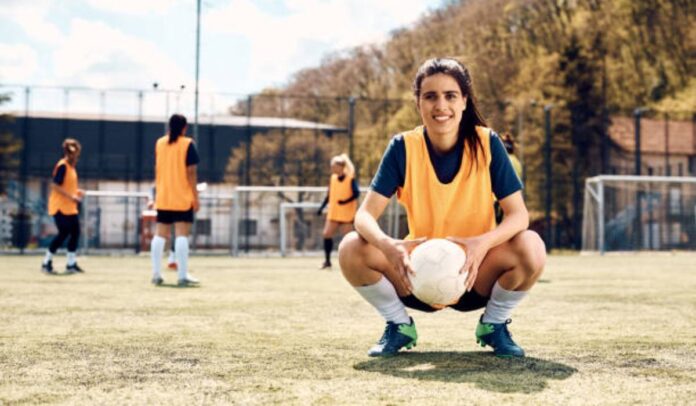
[{"x": 342, "y": 199}]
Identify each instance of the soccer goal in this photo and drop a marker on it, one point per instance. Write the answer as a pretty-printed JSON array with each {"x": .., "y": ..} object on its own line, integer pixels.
[
  {"x": 630, "y": 213},
  {"x": 117, "y": 220}
]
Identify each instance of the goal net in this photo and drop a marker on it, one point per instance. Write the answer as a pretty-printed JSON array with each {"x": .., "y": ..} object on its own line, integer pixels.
[
  {"x": 630, "y": 213},
  {"x": 235, "y": 220}
]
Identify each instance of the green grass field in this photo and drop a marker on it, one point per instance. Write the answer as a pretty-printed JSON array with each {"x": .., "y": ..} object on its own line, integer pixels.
[{"x": 597, "y": 330}]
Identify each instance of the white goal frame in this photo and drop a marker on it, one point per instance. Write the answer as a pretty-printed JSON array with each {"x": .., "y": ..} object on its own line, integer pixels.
[{"x": 595, "y": 191}]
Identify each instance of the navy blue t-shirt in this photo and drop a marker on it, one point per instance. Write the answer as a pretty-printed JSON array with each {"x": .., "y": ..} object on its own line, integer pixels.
[
  {"x": 391, "y": 173},
  {"x": 192, "y": 155},
  {"x": 60, "y": 175}
]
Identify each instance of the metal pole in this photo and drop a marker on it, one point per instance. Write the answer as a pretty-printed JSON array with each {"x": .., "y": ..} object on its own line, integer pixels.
[
  {"x": 639, "y": 209},
  {"x": 520, "y": 133},
  {"x": 247, "y": 174},
  {"x": 351, "y": 129},
  {"x": 668, "y": 170},
  {"x": 636, "y": 115},
  {"x": 600, "y": 214},
  {"x": 198, "y": 59},
  {"x": 24, "y": 167},
  {"x": 549, "y": 180}
]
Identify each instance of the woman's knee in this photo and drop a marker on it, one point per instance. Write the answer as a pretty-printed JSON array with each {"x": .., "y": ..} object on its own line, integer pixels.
[
  {"x": 349, "y": 250},
  {"x": 531, "y": 250}
]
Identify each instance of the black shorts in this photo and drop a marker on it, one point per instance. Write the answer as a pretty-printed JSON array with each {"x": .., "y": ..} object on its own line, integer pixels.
[
  {"x": 173, "y": 216},
  {"x": 468, "y": 302}
]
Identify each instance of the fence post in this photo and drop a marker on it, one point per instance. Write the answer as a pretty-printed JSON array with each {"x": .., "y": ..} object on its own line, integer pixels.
[
  {"x": 351, "y": 129},
  {"x": 549, "y": 181},
  {"x": 24, "y": 166},
  {"x": 639, "y": 209}
]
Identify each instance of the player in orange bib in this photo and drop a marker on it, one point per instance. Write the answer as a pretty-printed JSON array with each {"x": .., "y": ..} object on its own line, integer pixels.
[
  {"x": 447, "y": 174},
  {"x": 63, "y": 206},
  {"x": 342, "y": 199},
  {"x": 176, "y": 160}
]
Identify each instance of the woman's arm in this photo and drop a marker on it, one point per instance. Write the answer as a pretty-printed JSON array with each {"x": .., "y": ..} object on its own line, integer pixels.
[
  {"x": 62, "y": 191},
  {"x": 396, "y": 251},
  {"x": 192, "y": 177},
  {"x": 516, "y": 219}
]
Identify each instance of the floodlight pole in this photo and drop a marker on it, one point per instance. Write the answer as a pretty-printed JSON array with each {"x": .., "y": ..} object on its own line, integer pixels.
[{"x": 198, "y": 62}]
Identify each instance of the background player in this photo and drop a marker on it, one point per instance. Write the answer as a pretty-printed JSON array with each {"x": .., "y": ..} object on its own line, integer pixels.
[
  {"x": 63, "y": 206},
  {"x": 342, "y": 198},
  {"x": 176, "y": 160}
]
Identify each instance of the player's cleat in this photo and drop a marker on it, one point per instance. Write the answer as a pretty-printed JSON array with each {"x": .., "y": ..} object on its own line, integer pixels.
[
  {"x": 395, "y": 337},
  {"x": 188, "y": 281},
  {"x": 498, "y": 336},
  {"x": 47, "y": 268},
  {"x": 172, "y": 266},
  {"x": 157, "y": 280},
  {"x": 74, "y": 268},
  {"x": 325, "y": 265}
]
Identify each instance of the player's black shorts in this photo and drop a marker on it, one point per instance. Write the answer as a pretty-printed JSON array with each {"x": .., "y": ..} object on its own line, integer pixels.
[
  {"x": 468, "y": 302},
  {"x": 173, "y": 216}
]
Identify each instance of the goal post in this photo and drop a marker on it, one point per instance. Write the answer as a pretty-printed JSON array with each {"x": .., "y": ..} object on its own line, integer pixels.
[{"x": 630, "y": 213}]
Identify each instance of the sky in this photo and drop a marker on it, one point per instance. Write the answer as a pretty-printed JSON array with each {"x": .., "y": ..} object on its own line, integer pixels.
[{"x": 246, "y": 45}]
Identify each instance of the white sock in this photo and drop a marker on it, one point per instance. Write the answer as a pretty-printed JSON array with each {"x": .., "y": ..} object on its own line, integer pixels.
[
  {"x": 382, "y": 296},
  {"x": 156, "y": 248},
  {"x": 71, "y": 258},
  {"x": 181, "y": 246},
  {"x": 48, "y": 257},
  {"x": 172, "y": 258},
  {"x": 501, "y": 303}
]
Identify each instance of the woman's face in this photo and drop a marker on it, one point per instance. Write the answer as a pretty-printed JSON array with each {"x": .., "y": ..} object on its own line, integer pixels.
[
  {"x": 337, "y": 169},
  {"x": 441, "y": 104},
  {"x": 74, "y": 155}
]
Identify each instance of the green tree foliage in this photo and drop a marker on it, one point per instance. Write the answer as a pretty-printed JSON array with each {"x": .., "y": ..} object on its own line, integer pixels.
[
  {"x": 9, "y": 150},
  {"x": 278, "y": 158},
  {"x": 590, "y": 59}
]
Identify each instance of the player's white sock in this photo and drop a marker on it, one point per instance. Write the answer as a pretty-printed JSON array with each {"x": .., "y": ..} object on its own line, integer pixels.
[
  {"x": 48, "y": 257},
  {"x": 181, "y": 246},
  {"x": 501, "y": 303},
  {"x": 382, "y": 296},
  {"x": 171, "y": 258},
  {"x": 156, "y": 248},
  {"x": 71, "y": 258}
]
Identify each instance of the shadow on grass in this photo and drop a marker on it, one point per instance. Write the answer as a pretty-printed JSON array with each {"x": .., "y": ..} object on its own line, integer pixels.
[
  {"x": 525, "y": 375},
  {"x": 177, "y": 286}
]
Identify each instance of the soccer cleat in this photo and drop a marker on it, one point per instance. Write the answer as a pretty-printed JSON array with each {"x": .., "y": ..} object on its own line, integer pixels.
[
  {"x": 188, "y": 281},
  {"x": 157, "y": 280},
  {"x": 499, "y": 338},
  {"x": 325, "y": 265},
  {"x": 172, "y": 266},
  {"x": 47, "y": 268},
  {"x": 74, "y": 268},
  {"x": 395, "y": 337}
]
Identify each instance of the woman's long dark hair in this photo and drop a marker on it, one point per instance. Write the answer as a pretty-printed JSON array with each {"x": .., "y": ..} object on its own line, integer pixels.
[
  {"x": 177, "y": 123},
  {"x": 471, "y": 116}
]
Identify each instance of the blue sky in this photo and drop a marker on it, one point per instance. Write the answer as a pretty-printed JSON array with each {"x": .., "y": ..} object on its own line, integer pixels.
[{"x": 246, "y": 44}]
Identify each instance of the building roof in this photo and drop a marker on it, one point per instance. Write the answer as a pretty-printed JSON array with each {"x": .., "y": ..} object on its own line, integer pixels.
[
  {"x": 217, "y": 120},
  {"x": 681, "y": 135}
]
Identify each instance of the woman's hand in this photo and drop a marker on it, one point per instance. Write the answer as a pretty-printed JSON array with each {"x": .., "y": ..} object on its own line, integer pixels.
[
  {"x": 476, "y": 249},
  {"x": 398, "y": 255},
  {"x": 77, "y": 197}
]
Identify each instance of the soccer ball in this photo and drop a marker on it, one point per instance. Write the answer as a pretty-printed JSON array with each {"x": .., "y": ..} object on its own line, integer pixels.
[{"x": 437, "y": 280}]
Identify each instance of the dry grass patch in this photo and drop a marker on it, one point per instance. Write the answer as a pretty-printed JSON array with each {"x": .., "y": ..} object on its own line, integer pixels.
[{"x": 598, "y": 330}]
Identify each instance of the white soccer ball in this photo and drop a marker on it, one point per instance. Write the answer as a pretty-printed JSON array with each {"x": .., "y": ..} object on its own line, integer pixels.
[{"x": 437, "y": 280}]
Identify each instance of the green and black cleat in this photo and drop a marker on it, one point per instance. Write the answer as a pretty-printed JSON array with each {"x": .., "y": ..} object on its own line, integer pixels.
[
  {"x": 395, "y": 337},
  {"x": 499, "y": 338}
]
